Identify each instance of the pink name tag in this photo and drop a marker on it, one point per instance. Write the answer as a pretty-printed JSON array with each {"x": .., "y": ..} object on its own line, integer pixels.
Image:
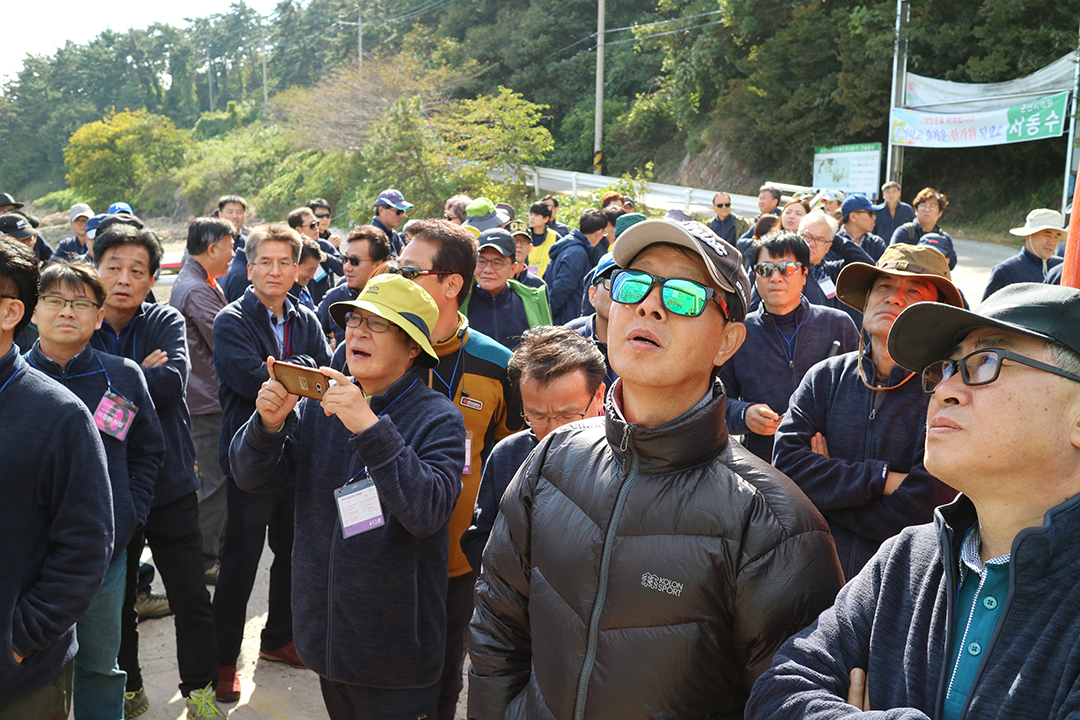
[{"x": 114, "y": 415}]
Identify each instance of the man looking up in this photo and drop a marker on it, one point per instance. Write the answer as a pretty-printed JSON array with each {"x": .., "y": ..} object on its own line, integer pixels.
[
  {"x": 987, "y": 592},
  {"x": 724, "y": 222},
  {"x": 558, "y": 372},
  {"x": 264, "y": 322},
  {"x": 643, "y": 565},
  {"x": 390, "y": 209},
  {"x": 570, "y": 261},
  {"x": 595, "y": 326},
  {"x": 75, "y": 246},
  {"x": 56, "y": 521},
  {"x": 366, "y": 253},
  {"x": 819, "y": 232},
  {"x": 499, "y": 306},
  {"x": 441, "y": 258},
  {"x": 785, "y": 336},
  {"x": 858, "y": 226},
  {"x": 67, "y": 314},
  {"x": 153, "y": 336},
  {"x": 1042, "y": 231},
  {"x": 199, "y": 298},
  {"x": 853, "y": 435}
]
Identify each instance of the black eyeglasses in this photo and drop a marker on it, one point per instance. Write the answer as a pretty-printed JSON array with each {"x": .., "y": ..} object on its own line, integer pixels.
[
  {"x": 355, "y": 261},
  {"x": 322, "y": 216},
  {"x": 55, "y": 302},
  {"x": 498, "y": 264},
  {"x": 785, "y": 268},
  {"x": 393, "y": 210},
  {"x": 981, "y": 367},
  {"x": 375, "y": 323},
  {"x": 542, "y": 421},
  {"x": 679, "y": 295},
  {"x": 411, "y": 273}
]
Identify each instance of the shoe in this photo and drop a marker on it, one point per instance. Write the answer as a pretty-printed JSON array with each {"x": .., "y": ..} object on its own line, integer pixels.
[
  {"x": 210, "y": 574},
  {"x": 228, "y": 684},
  {"x": 201, "y": 704},
  {"x": 285, "y": 655},
  {"x": 150, "y": 605},
  {"x": 135, "y": 703}
]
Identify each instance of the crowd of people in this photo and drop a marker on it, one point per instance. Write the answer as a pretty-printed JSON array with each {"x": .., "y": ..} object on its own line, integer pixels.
[{"x": 800, "y": 478}]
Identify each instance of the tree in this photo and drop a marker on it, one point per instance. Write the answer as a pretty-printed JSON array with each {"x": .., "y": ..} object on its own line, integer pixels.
[{"x": 121, "y": 155}]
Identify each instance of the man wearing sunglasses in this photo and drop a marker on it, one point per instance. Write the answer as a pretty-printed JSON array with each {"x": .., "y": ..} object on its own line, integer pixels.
[
  {"x": 853, "y": 435},
  {"x": 785, "y": 336},
  {"x": 390, "y": 209},
  {"x": 366, "y": 254},
  {"x": 986, "y": 594},
  {"x": 724, "y": 222},
  {"x": 644, "y": 564},
  {"x": 304, "y": 222}
]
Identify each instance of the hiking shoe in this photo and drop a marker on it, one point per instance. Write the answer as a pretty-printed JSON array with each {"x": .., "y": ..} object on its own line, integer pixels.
[
  {"x": 228, "y": 684},
  {"x": 285, "y": 655},
  {"x": 150, "y": 605},
  {"x": 201, "y": 704},
  {"x": 135, "y": 703}
]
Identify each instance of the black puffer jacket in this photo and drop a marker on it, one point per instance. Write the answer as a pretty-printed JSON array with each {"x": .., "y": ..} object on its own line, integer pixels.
[{"x": 640, "y": 573}]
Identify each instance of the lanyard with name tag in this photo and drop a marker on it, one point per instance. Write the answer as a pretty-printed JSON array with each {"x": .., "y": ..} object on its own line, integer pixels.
[
  {"x": 358, "y": 506},
  {"x": 827, "y": 286}
]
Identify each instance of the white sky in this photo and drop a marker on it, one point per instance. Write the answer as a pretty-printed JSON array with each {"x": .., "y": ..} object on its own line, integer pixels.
[{"x": 45, "y": 25}]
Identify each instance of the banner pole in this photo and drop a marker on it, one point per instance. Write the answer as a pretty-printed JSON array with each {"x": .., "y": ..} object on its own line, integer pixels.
[{"x": 894, "y": 163}]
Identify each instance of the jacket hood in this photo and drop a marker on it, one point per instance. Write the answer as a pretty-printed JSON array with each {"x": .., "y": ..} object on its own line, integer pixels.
[
  {"x": 575, "y": 238},
  {"x": 691, "y": 439}
]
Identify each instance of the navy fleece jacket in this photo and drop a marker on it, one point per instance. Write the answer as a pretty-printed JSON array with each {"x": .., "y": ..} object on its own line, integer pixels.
[
  {"x": 868, "y": 433},
  {"x": 339, "y": 293},
  {"x": 565, "y": 276},
  {"x": 243, "y": 339},
  {"x": 134, "y": 462},
  {"x": 1025, "y": 266},
  {"x": 369, "y": 609},
  {"x": 160, "y": 327},
  {"x": 56, "y": 524},
  {"x": 766, "y": 370}
]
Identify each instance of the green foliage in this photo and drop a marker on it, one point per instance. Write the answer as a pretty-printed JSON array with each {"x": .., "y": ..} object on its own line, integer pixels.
[
  {"x": 301, "y": 176},
  {"x": 212, "y": 124},
  {"x": 122, "y": 155},
  {"x": 58, "y": 200},
  {"x": 630, "y": 185}
]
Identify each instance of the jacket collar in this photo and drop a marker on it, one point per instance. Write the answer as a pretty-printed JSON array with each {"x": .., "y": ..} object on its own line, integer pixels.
[
  {"x": 82, "y": 361},
  {"x": 398, "y": 389},
  {"x": 10, "y": 364},
  {"x": 458, "y": 338},
  {"x": 691, "y": 439}
]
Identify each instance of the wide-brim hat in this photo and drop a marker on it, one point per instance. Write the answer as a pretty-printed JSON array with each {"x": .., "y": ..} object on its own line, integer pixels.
[
  {"x": 1039, "y": 220},
  {"x": 901, "y": 260},
  {"x": 722, "y": 260},
  {"x": 402, "y": 302},
  {"x": 927, "y": 332}
]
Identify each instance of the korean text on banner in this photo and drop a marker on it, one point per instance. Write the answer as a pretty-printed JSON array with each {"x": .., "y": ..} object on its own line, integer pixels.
[{"x": 1035, "y": 120}]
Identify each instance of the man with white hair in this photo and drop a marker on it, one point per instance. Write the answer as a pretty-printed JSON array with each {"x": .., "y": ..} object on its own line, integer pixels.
[
  {"x": 818, "y": 229},
  {"x": 75, "y": 246}
]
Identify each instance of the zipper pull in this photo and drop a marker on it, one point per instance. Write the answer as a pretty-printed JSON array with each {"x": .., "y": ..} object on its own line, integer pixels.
[
  {"x": 873, "y": 413},
  {"x": 791, "y": 364},
  {"x": 624, "y": 446}
]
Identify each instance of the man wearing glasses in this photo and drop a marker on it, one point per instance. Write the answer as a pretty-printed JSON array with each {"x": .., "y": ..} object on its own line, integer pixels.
[
  {"x": 304, "y": 222},
  {"x": 974, "y": 615},
  {"x": 853, "y": 435},
  {"x": 390, "y": 209},
  {"x": 785, "y": 336},
  {"x": 724, "y": 222},
  {"x": 643, "y": 564},
  {"x": 265, "y": 322},
  {"x": 829, "y": 255},
  {"x": 366, "y": 254}
]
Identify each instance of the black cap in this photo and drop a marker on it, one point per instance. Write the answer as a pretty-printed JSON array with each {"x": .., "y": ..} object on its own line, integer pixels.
[
  {"x": 6, "y": 199},
  {"x": 499, "y": 239},
  {"x": 927, "y": 332},
  {"x": 16, "y": 226}
]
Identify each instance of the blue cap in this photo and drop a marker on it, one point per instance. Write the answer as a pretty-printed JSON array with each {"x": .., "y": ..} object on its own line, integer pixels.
[
  {"x": 92, "y": 224},
  {"x": 119, "y": 207},
  {"x": 605, "y": 267},
  {"x": 854, "y": 203},
  {"x": 393, "y": 198}
]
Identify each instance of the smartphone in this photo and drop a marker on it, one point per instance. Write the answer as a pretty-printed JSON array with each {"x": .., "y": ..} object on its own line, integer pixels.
[{"x": 300, "y": 380}]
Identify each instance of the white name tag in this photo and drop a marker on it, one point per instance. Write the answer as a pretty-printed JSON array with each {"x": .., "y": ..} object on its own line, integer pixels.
[
  {"x": 828, "y": 287},
  {"x": 358, "y": 507}
]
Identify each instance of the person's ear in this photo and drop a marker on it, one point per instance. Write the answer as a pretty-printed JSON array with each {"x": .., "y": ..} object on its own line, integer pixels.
[
  {"x": 414, "y": 351},
  {"x": 453, "y": 285},
  {"x": 12, "y": 314},
  {"x": 100, "y": 317},
  {"x": 731, "y": 341}
]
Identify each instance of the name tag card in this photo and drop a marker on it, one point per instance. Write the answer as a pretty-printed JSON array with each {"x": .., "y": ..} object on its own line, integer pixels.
[
  {"x": 358, "y": 507},
  {"x": 828, "y": 287},
  {"x": 114, "y": 415}
]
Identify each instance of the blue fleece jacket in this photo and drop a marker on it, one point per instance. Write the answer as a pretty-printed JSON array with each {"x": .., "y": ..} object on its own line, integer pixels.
[
  {"x": 243, "y": 339},
  {"x": 766, "y": 370},
  {"x": 886, "y": 222},
  {"x": 828, "y": 270},
  {"x": 725, "y": 228},
  {"x": 501, "y": 317},
  {"x": 339, "y": 293},
  {"x": 56, "y": 524},
  {"x": 370, "y": 609},
  {"x": 236, "y": 280},
  {"x": 911, "y": 233},
  {"x": 135, "y": 461},
  {"x": 565, "y": 276},
  {"x": 897, "y": 620},
  {"x": 1025, "y": 266},
  {"x": 872, "y": 245},
  {"x": 502, "y": 465},
  {"x": 160, "y": 327},
  {"x": 868, "y": 433}
]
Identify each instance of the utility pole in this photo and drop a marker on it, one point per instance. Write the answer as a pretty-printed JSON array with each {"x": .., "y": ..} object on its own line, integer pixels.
[
  {"x": 262, "y": 42},
  {"x": 598, "y": 133},
  {"x": 210, "y": 78},
  {"x": 894, "y": 165},
  {"x": 359, "y": 38}
]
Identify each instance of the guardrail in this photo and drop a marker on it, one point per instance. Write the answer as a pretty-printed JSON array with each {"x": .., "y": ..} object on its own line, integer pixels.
[{"x": 660, "y": 195}]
